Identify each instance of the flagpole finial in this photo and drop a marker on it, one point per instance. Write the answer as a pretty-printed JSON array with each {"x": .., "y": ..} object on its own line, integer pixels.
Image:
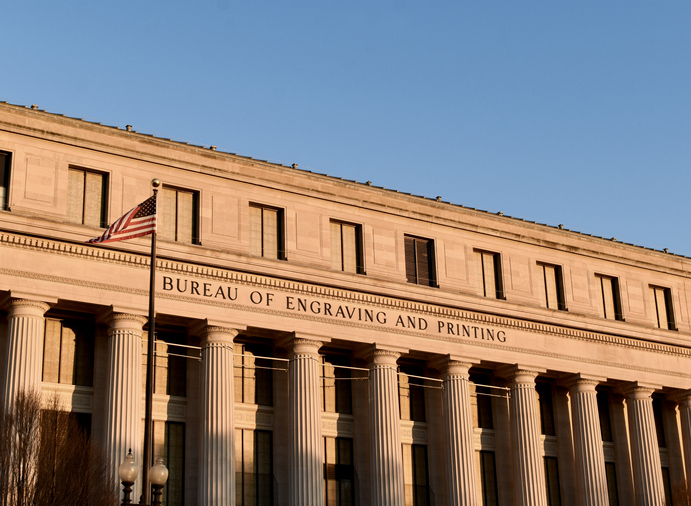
[{"x": 155, "y": 183}]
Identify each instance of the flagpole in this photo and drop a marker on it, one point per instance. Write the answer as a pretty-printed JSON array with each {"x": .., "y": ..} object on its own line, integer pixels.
[{"x": 148, "y": 422}]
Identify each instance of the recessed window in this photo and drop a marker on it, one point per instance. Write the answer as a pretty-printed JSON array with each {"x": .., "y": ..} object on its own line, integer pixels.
[
  {"x": 68, "y": 352},
  {"x": 551, "y": 286},
  {"x": 552, "y": 481},
  {"x": 489, "y": 274},
  {"x": 339, "y": 472},
  {"x": 253, "y": 374},
  {"x": 86, "y": 197},
  {"x": 415, "y": 475},
  {"x": 169, "y": 443},
  {"x": 411, "y": 393},
  {"x": 170, "y": 372},
  {"x": 266, "y": 232},
  {"x": 419, "y": 261},
  {"x": 481, "y": 401},
  {"x": 488, "y": 477},
  {"x": 178, "y": 215},
  {"x": 544, "y": 397},
  {"x": 609, "y": 292},
  {"x": 336, "y": 384},
  {"x": 254, "y": 467},
  {"x": 346, "y": 247},
  {"x": 5, "y": 162},
  {"x": 662, "y": 307}
]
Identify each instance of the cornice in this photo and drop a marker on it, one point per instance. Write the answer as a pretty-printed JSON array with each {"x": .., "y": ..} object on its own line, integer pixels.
[{"x": 87, "y": 252}]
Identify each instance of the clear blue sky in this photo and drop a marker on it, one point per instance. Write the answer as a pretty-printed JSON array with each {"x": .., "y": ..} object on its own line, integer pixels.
[{"x": 557, "y": 112}]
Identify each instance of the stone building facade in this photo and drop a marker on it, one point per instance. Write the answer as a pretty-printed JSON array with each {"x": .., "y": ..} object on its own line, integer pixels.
[{"x": 322, "y": 341}]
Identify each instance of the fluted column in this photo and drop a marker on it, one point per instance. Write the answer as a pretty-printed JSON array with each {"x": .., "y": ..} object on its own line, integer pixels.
[
  {"x": 591, "y": 478},
  {"x": 123, "y": 419},
  {"x": 217, "y": 420},
  {"x": 24, "y": 351},
  {"x": 459, "y": 451},
  {"x": 684, "y": 401},
  {"x": 385, "y": 435},
  {"x": 525, "y": 437},
  {"x": 647, "y": 470},
  {"x": 306, "y": 454}
]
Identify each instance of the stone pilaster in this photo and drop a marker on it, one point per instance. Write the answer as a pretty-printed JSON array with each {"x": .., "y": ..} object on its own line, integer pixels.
[
  {"x": 385, "y": 436},
  {"x": 306, "y": 472},
  {"x": 124, "y": 413},
  {"x": 525, "y": 437},
  {"x": 459, "y": 451},
  {"x": 647, "y": 469},
  {"x": 684, "y": 401},
  {"x": 217, "y": 420},
  {"x": 591, "y": 478},
  {"x": 24, "y": 352}
]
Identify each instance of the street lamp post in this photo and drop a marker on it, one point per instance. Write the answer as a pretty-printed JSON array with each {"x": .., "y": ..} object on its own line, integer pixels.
[{"x": 158, "y": 474}]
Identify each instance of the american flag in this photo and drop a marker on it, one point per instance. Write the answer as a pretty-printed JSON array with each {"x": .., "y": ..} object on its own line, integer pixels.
[{"x": 138, "y": 222}]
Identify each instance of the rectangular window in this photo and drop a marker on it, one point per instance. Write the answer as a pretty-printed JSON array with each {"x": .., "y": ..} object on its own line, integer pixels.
[
  {"x": 68, "y": 352},
  {"x": 411, "y": 393},
  {"x": 612, "y": 492},
  {"x": 544, "y": 397},
  {"x": 552, "y": 480},
  {"x": 5, "y": 163},
  {"x": 170, "y": 371},
  {"x": 609, "y": 291},
  {"x": 489, "y": 274},
  {"x": 667, "y": 485},
  {"x": 169, "y": 443},
  {"x": 266, "y": 232},
  {"x": 336, "y": 385},
  {"x": 488, "y": 478},
  {"x": 86, "y": 198},
  {"x": 253, "y": 376},
  {"x": 346, "y": 247},
  {"x": 339, "y": 472},
  {"x": 419, "y": 261},
  {"x": 662, "y": 307},
  {"x": 603, "y": 411},
  {"x": 415, "y": 476},
  {"x": 481, "y": 401},
  {"x": 659, "y": 422},
  {"x": 178, "y": 215},
  {"x": 551, "y": 286},
  {"x": 253, "y": 468}
]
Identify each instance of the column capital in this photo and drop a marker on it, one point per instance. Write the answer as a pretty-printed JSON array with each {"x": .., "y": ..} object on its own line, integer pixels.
[
  {"x": 376, "y": 354},
  {"x": 125, "y": 320},
  {"x": 581, "y": 383},
  {"x": 303, "y": 343},
  {"x": 518, "y": 373},
  {"x": 450, "y": 365},
  {"x": 682, "y": 398},
  {"x": 215, "y": 332},
  {"x": 26, "y": 306},
  {"x": 638, "y": 391}
]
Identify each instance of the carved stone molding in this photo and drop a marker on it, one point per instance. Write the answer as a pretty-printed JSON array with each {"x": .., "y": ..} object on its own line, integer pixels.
[
  {"x": 125, "y": 319},
  {"x": 227, "y": 276}
]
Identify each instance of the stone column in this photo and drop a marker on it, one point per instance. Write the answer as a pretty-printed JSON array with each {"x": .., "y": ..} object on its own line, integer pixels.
[
  {"x": 123, "y": 421},
  {"x": 24, "y": 352},
  {"x": 306, "y": 454},
  {"x": 647, "y": 469},
  {"x": 385, "y": 435},
  {"x": 525, "y": 437},
  {"x": 459, "y": 451},
  {"x": 684, "y": 401},
  {"x": 217, "y": 418},
  {"x": 591, "y": 478}
]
